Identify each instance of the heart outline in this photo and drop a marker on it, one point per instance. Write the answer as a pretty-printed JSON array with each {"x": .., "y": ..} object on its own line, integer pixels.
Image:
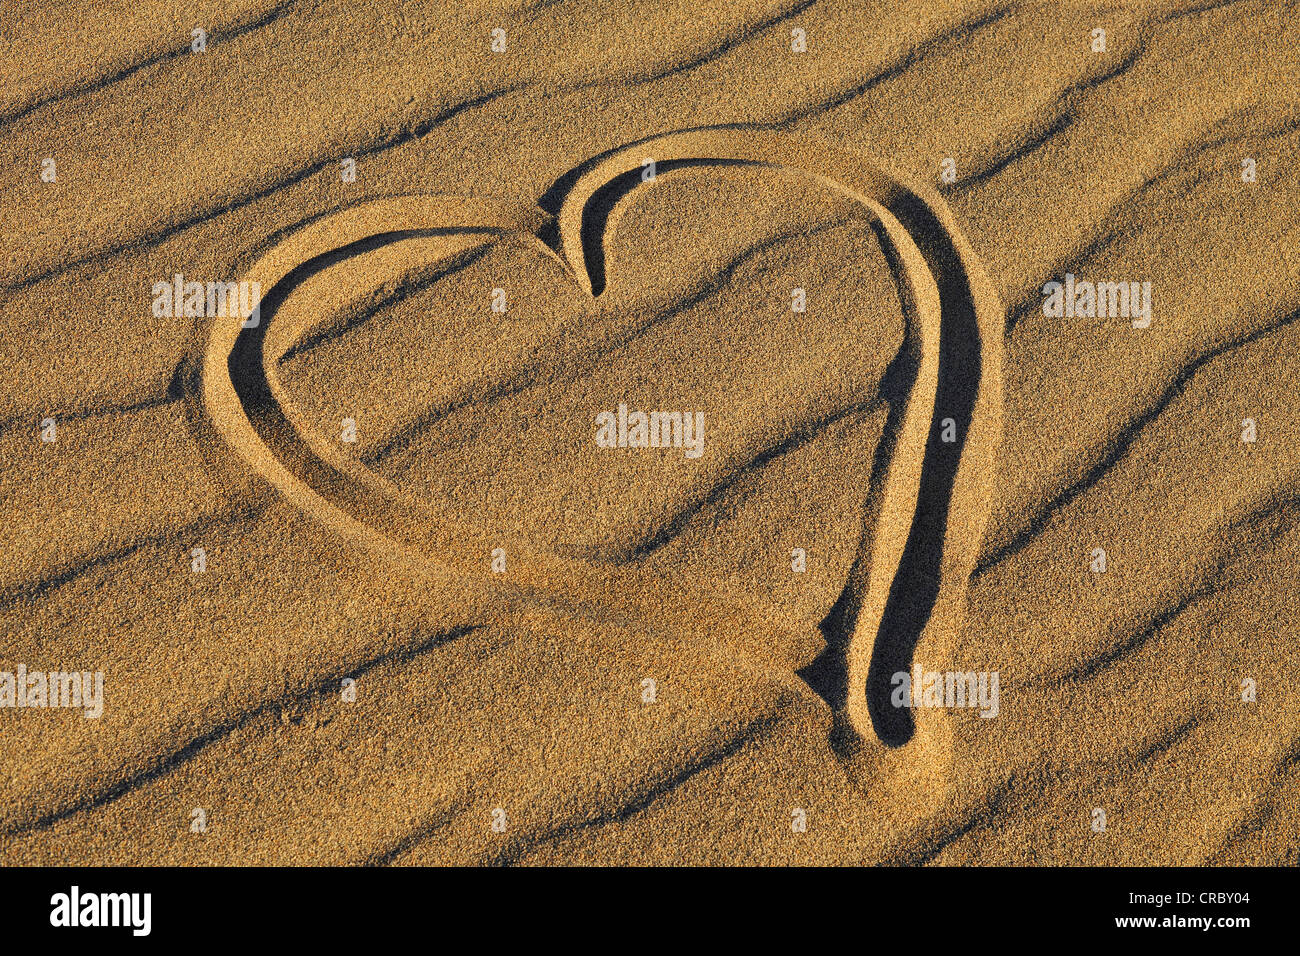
[{"x": 246, "y": 404}]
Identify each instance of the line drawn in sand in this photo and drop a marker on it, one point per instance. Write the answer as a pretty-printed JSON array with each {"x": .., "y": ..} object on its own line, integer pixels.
[{"x": 917, "y": 550}]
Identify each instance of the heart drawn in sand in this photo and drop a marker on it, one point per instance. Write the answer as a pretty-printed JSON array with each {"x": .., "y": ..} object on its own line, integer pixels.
[{"x": 934, "y": 494}]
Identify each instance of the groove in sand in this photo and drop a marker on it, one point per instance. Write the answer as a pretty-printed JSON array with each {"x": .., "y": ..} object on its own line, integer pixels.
[{"x": 934, "y": 499}]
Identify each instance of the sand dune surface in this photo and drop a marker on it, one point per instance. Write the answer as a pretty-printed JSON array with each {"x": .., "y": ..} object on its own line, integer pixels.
[{"x": 634, "y": 396}]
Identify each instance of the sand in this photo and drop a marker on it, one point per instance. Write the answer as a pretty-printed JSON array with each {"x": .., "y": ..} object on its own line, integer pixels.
[{"x": 363, "y": 582}]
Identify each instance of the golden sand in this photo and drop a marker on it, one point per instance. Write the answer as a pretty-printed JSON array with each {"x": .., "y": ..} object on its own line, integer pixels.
[{"x": 363, "y": 582}]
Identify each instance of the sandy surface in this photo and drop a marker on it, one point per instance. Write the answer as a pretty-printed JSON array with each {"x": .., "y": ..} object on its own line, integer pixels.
[{"x": 649, "y": 680}]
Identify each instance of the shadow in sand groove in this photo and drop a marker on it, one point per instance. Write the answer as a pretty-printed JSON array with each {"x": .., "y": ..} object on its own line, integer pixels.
[
  {"x": 915, "y": 553},
  {"x": 940, "y": 373},
  {"x": 915, "y": 588}
]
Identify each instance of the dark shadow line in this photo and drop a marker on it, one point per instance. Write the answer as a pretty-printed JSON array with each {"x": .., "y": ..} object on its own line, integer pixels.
[
  {"x": 169, "y": 762},
  {"x": 157, "y": 236},
  {"x": 1118, "y": 447},
  {"x": 236, "y": 31}
]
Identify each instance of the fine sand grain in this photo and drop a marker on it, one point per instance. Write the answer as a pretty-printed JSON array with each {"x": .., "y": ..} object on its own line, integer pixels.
[{"x": 361, "y": 578}]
